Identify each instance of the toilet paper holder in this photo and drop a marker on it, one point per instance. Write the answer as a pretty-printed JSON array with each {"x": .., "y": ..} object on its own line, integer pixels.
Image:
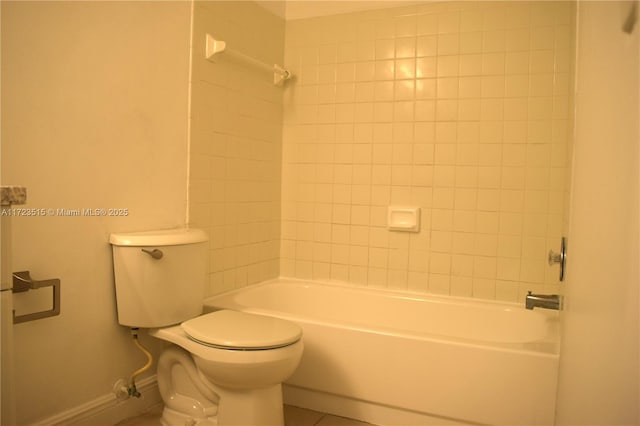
[{"x": 22, "y": 282}]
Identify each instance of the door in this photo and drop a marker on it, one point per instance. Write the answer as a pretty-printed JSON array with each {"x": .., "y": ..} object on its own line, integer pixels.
[{"x": 599, "y": 360}]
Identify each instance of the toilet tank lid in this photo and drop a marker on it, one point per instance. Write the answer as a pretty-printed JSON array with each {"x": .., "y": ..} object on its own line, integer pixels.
[{"x": 165, "y": 237}]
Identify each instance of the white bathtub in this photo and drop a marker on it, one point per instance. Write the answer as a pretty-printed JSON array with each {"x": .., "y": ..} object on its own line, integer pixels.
[{"x": 392, "y": 358}]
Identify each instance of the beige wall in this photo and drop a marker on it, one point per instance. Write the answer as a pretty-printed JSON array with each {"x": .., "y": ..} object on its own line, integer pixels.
[
  {"x": 462, "y": 109},
  {"x": 94, "y": 114},
  {"x": 235, "y": 155}
]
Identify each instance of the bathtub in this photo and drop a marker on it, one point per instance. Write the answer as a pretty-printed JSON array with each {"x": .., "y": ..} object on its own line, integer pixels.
[{"x": 393, "y": 358}]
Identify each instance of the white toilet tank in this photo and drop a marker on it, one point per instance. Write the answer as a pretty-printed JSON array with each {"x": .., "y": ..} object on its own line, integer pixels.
[{"x": 160, "y": 276}]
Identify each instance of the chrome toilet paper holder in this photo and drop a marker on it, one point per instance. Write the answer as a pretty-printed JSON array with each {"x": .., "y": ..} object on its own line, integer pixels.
[{"x": 22, "y": 282}]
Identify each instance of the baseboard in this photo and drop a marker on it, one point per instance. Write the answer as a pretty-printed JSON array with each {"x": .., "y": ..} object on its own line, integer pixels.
[{"x": 106, "y": 410}]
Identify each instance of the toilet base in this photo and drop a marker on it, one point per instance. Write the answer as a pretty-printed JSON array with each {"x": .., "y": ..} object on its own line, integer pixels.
[
  {"x": 256, "y": 407},
  {"x": 174, "y": 418},
  {"x": 262, "y": 407},
  {"x": 191, "y": 400}
]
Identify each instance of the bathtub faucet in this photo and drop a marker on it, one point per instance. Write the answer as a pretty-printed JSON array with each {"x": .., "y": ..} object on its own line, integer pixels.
[{"x": 547, "y": 301}]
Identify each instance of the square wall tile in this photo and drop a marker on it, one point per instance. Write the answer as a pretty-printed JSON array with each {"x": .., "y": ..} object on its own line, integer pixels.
[{"x": 463, "y": 111}]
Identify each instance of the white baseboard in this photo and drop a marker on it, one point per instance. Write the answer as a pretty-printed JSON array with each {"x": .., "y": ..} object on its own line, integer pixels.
[{"x": 106, "y": 410}]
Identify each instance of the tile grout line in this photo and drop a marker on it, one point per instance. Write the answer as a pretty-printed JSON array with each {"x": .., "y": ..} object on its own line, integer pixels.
[{"x": 319, "y": 420}]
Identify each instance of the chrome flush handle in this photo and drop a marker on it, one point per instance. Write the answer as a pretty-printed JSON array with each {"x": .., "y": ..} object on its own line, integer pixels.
[
  {"x": 155, "y": 253},
  {"x": 559, "y": 257}
]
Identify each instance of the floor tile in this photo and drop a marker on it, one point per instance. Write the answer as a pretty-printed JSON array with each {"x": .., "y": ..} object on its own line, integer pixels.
[
  {"x": 295, "y": 416},
  {"x": 329, "y": 420},
  {"x": 149, "y": 418}
]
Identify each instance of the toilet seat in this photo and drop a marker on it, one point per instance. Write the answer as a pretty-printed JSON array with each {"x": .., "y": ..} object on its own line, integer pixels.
[{"x": 234, "y": 330}]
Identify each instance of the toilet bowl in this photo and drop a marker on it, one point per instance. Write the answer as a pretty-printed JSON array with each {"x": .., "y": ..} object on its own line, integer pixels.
[
  {"x": 228, "y": 368},
  {"x": 221, "y": 368}
]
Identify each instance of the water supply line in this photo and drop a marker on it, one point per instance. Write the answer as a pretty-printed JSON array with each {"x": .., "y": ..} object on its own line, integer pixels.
[{"x": 131, "y": 388}]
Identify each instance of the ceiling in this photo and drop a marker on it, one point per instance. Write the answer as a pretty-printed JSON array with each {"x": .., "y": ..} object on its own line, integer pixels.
[{"x": 299, "y": 9}]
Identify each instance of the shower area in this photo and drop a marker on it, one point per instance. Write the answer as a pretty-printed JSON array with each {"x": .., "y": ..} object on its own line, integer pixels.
[{"x": 462, "y": 109}]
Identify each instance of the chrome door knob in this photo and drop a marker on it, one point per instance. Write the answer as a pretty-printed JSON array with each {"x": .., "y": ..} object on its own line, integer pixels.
[{"x": 559, "y": 257}]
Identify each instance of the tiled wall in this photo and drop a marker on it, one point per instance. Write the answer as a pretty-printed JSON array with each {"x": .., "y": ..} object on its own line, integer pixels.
[
  {"x": 459, "y": 108},
  {"x": 235, "y": 152}
]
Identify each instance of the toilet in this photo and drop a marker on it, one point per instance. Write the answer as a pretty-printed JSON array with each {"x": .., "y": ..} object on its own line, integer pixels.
[{"x": 221, "y": 368}]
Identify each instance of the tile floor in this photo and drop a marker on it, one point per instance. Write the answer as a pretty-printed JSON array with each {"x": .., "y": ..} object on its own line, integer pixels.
[{"x": 293, "y": 416}]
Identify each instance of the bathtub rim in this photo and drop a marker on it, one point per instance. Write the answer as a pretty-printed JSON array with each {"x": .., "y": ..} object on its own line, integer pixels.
[
  {"x": 550, "y": 345},
  {"x": 406, "y": 294}
]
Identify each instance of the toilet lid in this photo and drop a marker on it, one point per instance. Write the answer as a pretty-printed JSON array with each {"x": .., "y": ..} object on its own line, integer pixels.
[{"x": 240, "y": 330}]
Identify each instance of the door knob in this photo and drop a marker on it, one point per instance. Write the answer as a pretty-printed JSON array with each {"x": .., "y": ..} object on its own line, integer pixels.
[{"x": 559, "y": 257}]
